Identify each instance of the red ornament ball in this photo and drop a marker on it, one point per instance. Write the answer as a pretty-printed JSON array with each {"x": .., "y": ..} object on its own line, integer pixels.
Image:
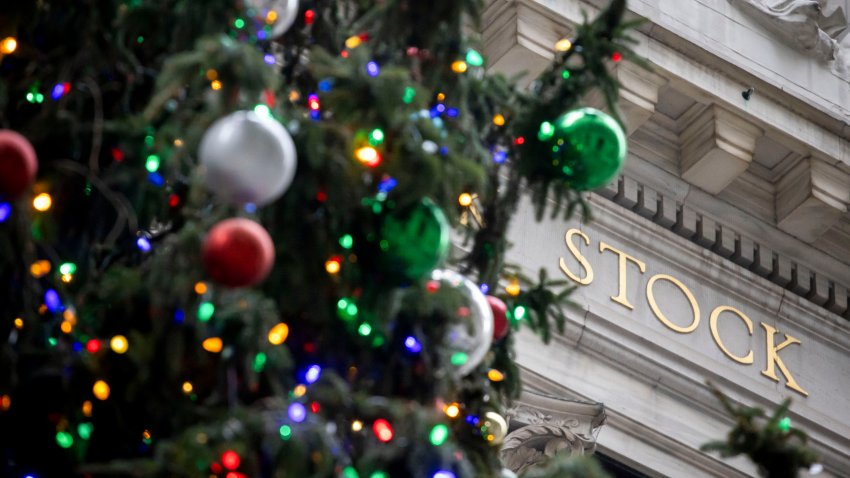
[
  {"x": 238, "y": 253},
  {"x": 18, "y": 164},
  {"x": 500, "y": 317}
]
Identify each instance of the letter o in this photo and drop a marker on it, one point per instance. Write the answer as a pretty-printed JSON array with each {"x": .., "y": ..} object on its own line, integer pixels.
[{"x": 650, "y": 297}]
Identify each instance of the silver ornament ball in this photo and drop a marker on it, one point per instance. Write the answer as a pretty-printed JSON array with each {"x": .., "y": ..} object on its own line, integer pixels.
[
  {"x": 497, "y": 428},
  {"x": 279, "y": 14},
  {"x": 247, "y": 158},
  {"x": 470, "y": 334}
]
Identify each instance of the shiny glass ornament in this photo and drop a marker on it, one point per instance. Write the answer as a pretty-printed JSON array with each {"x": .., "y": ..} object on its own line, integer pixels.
[
  {"x": 588, "y": 147},
  {"x": 495, "y": 428},
  {"x": 470, "y": 333},
  {"x": 247, "y": 158},
  {"x": 238, "y": 252},
  {"x": 18, "y": 164},
  {"x": 414, "y": 241},
  {"x": 278, "y": 15}
]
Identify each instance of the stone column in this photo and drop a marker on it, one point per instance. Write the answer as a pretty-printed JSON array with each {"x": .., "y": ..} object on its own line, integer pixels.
[{"x": 541, "y": 426}]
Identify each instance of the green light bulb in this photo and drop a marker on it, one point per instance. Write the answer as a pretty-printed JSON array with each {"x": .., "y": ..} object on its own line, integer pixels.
[
  {"x": 439, "y": 434},
  {"x": 64, "y": 439},
  {"x": 286, "y": 432},
  {"x": 152, "y": 163},
  {"x": 474, "y": 58},
  {"x": 205, "y": 311}
]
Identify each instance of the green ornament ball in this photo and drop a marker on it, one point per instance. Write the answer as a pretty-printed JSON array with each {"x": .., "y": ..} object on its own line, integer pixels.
[
  {"x": 588, "y": 147},
  {"x": 414, "y": 241}
]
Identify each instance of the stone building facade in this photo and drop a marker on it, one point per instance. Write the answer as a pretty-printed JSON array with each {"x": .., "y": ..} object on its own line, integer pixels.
[{"x": 722, "y": 253}]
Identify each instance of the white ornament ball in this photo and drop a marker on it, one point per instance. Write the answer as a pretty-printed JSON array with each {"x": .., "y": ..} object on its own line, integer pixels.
[
  {"x": 248, "y": 158},
  {"x": 470, "y": 335},
  {"x": 506, "y": 473},
  {"x": 284, "y": 14}
]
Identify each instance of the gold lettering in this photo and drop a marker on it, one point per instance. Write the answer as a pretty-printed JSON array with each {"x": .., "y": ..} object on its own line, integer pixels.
[
  {"x": 588, "y": 278},
  {"x": 621, "y": 297},
  {"x": 650, "y": 297},
  {"x": 774, "y": 359},
  {"x": 712, "y": 320}
]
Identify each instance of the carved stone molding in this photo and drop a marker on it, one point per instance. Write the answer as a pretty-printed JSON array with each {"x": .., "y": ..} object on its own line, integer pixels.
[
  {"x": 542, "y": 426},
  {"x": 638, "y": 94},
  {"x": 749, "y": 252},
  {"x": 811, "y": 198},
  {"x": 717, "y": 146}
]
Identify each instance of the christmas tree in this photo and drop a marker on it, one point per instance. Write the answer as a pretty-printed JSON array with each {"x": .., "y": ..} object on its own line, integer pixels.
[{"x": 226, "y": 233}]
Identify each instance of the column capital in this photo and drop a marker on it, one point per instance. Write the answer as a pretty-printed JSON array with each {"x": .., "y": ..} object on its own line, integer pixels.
[{"x": 542, "y": 426}]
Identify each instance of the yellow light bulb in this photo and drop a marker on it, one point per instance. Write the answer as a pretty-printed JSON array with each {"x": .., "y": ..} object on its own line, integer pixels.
[
  {"x": 441, "y": 97},
  {"x": 178, "y": 143},
  {"x": 5, "y": 402},
  {"x": 368, "y": 156},
  {"x": 8, "y": 45},
  {"x": 101, "y": 390},
  {"x": 278, "y": 334},
  {"x": 356, "y": 426},
  {"x": 39, "y": 269},
  {"x": 499, "y": 120},
  {"x": 495, "y": 375},
  {"x": 19, "y": 323},
  {"x": 187, "y": 387},
  {"x": 67, "y": 278},
  {"x": 200, "y": 288},
  {"x": 353, "y": 42},
  {"x": 332, "y": 266},
  {"x": 42, "y": 202},
  {"x": 215, "y": 85},
  {"x": 70, "y": 316},
  {"x": 212, "y": 75},
  {"x": 87, "y": 407},
  {"x": 563, "y": 45},
  {"x": 513, "y": 289},
  {"x": 459, "y": 66},
  {"x": 213, "y": 345},
  {"x": 119, "y": 344},
  {"x": 271, "y": 17},
  {"x": 452, "y": 410},
  {"x": 465, "y": 199},
  {"x": 299, "y": 390},
  {"x": 67, "y": 327}
]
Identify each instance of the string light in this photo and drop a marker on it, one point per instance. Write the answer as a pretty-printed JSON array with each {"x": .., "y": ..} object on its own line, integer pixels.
[
  {"x": 313, "y": 373},
  {"x": 212, "y": 75},
  {"x": 230, "y": 459},
  {"x": 84, "y": 430},
  {"x": 205, "y": 311},
  {"x": 520, "y": 312},
  {"x": 513, "y": 289},
  {"x": 93, "y": 346},
  {"x": 474, "y": 58},
  {"x": 271, "y": 17},
  {"x": 383, "y": 430},
  {"x": 119, "y": 344},
  {"x": 299, "y": 391},
  {"x": 87, "y": 408},
  {"x": 42, "y": 202},
  {"x": 495, "y": 375},
  {"x": 201, "y": 288},
  {"x": 100, "y": 390},
  {"x": 785, "y": 424},
  {"x": 64, "y": 439},
  {"x": 353, "y": 42},
  {"x": 5, "y": 403},
  {"x": 349, "y": 472},
  {"x": 372, "y": 69},
  {"x": 346, "y": 241},
  {"x": 356, "y": 426},
  {"x": 376, "y": 137},
  {"x": 19, "y": 323},
  {"x": 215, "y": 85},
  {"x": 369, "y": 156},
  {"x": 564, "y": 45},
  {"x": 364, "y": 329},
  {"x": 285, "y": 432},
  {"x": 313, "y": 102},
  {"x": 499, "y": 119},
  {"x": 459, "y": 358},
  {"x": 333, "y": 265},
  {"x": 5, "y": 211},
  {"x": 8, "y": 45},
  {"x": 66, "y": 327},
  {"x": 39, "y": 269},
  {"x": 213, "y": 345},
  {"x": 616, "y": 57},
  {"x": 459, "y": 66},
  {"x": 547, "y": 130},
  {"x": 297, "y": 413},
  {"x": 260, "y": 362},
  {"x": 409, "y": 95},
  {"x": 439, "y": 434},
  {"x": 143, "y": 244},
  {"x": 278, "y": 334},
  {"x": 465, "y": 199},
  {"x": 52, "y": 301},
  {"x": 452, "y": 410},
  {"x": 566, "y": 74},
  {"x": 412, "y": 344},
  {"x": 379, "y": 474},
  {"x": 187, "y": 387},
  {"x": 309, "y": 17},
  {"x": 239, "y": 23},
  {"x": 444, "y": 474}
]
